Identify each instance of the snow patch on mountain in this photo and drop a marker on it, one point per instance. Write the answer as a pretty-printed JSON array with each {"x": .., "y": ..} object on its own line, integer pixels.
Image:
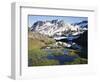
[{"x": 58, "y": 28}]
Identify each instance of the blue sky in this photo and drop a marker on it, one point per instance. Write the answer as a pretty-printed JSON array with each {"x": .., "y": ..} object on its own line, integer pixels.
[{"x": 67, "y": 19}]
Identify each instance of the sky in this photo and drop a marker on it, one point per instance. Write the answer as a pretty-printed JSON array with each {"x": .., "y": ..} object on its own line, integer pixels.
[{"x": 67, "y": 19}]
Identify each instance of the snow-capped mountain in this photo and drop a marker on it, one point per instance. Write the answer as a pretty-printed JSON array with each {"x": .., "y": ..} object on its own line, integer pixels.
[
  {"x": 58, "y": 28},
  {"x": 82, "y": 24},
  {"x": 50, "y": 28}
]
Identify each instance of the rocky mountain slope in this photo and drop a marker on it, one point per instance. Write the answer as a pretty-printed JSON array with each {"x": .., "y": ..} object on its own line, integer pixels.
[{"x": 58, "y": 28}]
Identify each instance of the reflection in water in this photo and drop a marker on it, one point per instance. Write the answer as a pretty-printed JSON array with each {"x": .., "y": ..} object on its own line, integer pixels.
[
  {"x": 65, "y": 57},
  {"x": 62, "y": 59}
]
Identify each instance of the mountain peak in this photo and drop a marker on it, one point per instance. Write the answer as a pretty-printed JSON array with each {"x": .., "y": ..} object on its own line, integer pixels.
[{"x": 58, "y": 27}]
